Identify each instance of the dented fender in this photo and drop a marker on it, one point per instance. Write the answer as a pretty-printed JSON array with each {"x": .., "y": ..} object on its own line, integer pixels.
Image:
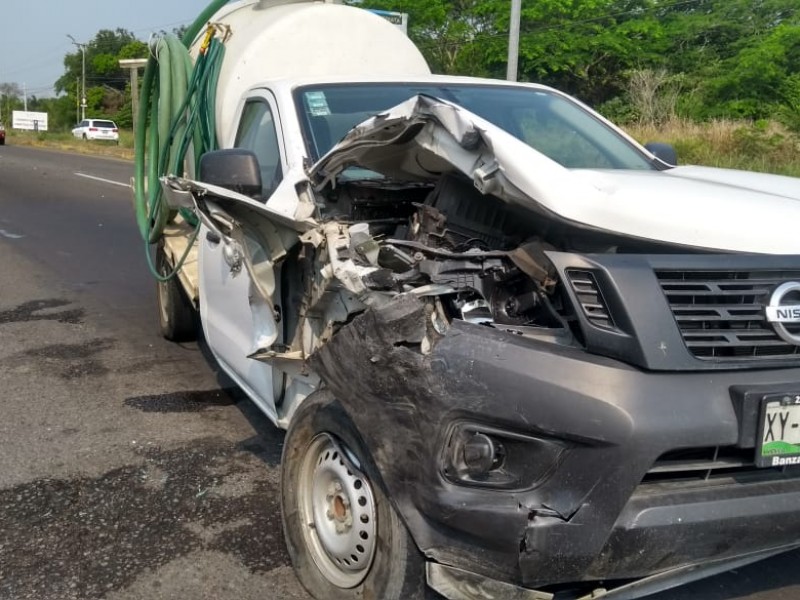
[{"x": 405, "y": 403}]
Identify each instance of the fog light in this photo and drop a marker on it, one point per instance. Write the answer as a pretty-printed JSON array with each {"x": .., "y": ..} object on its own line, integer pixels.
[{"x": 483, "y": 454}]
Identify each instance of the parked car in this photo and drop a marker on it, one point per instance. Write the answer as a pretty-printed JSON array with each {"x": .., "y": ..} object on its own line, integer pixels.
[
  {"x": 2, "y": 135},
  {"x": 97, "y": 129}
]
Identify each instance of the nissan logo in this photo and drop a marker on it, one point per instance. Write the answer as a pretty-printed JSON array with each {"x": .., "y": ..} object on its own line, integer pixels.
[{"x": 784, "y": 309}]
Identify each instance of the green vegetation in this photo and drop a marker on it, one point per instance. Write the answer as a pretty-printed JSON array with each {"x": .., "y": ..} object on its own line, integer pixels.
[
  {"x": 761, "y": 146},
  {"x": 63, "y": 140},
  {"x": 712, "y": 58},
  {"x": 107, "y": 85},
  {"x": 719, "y": 79}
]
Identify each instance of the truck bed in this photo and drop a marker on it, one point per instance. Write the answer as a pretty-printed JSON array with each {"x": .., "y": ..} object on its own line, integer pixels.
[{"x": 177, "y": 236}]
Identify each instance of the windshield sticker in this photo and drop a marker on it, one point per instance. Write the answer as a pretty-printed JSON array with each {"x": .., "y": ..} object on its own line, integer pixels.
[{"x": 317, "y": 104}]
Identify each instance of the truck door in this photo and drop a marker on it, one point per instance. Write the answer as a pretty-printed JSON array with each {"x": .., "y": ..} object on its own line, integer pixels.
[{"x": 236, "y": 319}]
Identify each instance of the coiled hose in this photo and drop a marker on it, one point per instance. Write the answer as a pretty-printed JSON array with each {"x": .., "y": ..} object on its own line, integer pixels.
[{"x": 175, "y": 119}]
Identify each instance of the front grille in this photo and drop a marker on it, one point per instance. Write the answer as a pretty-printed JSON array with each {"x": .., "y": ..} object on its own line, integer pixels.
[
  {"x": 590, "y": 298},
  {"x": 721, "y": 313},
  {"x": 720, "y": 463}
]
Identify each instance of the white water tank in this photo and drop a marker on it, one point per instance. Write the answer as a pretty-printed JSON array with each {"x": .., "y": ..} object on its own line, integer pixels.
[{"x": 275, "y": 39}]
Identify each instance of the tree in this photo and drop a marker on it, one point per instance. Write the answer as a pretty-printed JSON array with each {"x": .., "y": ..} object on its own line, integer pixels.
[
  {"x": 755, "y": 81},
  {"x": 735, "y": 55},
  {"x": 105, "y": 80},
  {"x": 586, "y": 48},
  {"x": 10, "y": 92},
  {"x": 452, "y": 33},
  {"x": 732, "y": 57},
  {"x": 726, "y": 58},
  {"x": 580, "y": 47}
]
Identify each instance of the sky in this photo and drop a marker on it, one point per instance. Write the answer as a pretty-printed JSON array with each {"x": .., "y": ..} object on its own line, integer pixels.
[{"x": 33, "y": 38}]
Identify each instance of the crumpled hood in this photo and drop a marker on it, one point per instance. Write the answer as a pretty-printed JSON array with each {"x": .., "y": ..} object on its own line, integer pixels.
[{"x": 699, "y": 207}]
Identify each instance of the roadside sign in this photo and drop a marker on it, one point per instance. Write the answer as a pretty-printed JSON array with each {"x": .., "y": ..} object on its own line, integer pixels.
[
  {"x": 30, "y": 121},
  {"x": 395, "y": 18}
]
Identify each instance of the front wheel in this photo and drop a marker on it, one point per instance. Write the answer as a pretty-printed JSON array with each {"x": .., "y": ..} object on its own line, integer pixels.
[
  {"x": 176, "y": 315},
  {"x": 344, "y": 537}
]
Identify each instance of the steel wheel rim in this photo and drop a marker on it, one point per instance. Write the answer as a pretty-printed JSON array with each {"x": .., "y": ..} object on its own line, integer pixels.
[
  {"x": 337, "y": 512},
  {"x": 163, "y": 298}
]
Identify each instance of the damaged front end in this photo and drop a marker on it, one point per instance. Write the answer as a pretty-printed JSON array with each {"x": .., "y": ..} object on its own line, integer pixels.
[{"x": 513, "y": 394}]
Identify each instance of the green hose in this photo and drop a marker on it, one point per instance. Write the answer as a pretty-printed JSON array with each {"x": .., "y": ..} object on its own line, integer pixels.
[{"x": 175, "y": 119}]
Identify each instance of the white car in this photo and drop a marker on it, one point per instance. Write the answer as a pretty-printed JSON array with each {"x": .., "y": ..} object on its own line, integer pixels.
[{"x": 97, "y": 129}]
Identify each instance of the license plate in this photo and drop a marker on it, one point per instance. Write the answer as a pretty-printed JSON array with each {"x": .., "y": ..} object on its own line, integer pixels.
[{"x": 779, "y": 431}]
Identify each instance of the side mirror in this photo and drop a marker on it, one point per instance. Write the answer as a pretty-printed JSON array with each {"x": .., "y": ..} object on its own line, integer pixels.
[
  {"x": 234, "y": 169},
  {"x": 664, "y": 152}
]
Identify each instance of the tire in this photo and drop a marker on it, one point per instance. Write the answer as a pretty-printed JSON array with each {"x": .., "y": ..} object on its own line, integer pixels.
[
  {"x": 85, "y": 139},
  {"x": 318, "y": 485},
  {"x": 3, "y": 142},
  {"x": 176, "y": 315}
]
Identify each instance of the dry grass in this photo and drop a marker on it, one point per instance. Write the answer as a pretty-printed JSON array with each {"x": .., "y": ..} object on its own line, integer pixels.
[
  {"x": 767, "y": 147},
  {"x": 66, "y": 143}
]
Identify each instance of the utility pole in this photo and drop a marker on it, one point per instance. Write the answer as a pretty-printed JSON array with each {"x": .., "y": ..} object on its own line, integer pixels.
[
  {"x": 513, "y": 41},
  {"x": 83, "y": 75},
  {"x": 134, "y": 64}
]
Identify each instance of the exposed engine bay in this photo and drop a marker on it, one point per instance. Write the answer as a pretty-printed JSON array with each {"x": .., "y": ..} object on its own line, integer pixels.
[
  {"x": 431, "y": 200},
  {"x": 473, "y": 256},
  {"x": 430, "y": 213},
  {"x": 479, "y": 258}
]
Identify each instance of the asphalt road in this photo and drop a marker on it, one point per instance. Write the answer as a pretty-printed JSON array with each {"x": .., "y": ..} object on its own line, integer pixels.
[{"x": 129, "y": 469}]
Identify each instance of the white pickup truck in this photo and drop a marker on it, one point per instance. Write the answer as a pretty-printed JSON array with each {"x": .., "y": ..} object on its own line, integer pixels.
[{"x": 516, "y": 352}]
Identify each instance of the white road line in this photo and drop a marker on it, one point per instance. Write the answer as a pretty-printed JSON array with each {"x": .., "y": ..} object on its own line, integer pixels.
[
  {"x": 9, "y": 235},
  {"x": 103, "y": 180}
]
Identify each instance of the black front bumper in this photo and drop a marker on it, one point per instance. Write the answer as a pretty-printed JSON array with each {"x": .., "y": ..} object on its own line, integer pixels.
[
  {"x": 688, "y": 526},
  {"x": 594, "y": 516}
]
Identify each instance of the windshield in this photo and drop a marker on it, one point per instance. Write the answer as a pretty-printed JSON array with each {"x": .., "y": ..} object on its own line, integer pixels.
[{"x": 551, "y": 124}]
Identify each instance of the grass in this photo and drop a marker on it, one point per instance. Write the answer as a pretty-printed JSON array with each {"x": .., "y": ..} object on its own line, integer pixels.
[
  {"x": 66, "y": 142},
  {"x": 762, "y": 146}
]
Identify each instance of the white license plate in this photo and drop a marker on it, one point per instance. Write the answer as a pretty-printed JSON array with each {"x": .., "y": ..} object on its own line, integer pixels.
[{"x": 779, "y": 431}]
